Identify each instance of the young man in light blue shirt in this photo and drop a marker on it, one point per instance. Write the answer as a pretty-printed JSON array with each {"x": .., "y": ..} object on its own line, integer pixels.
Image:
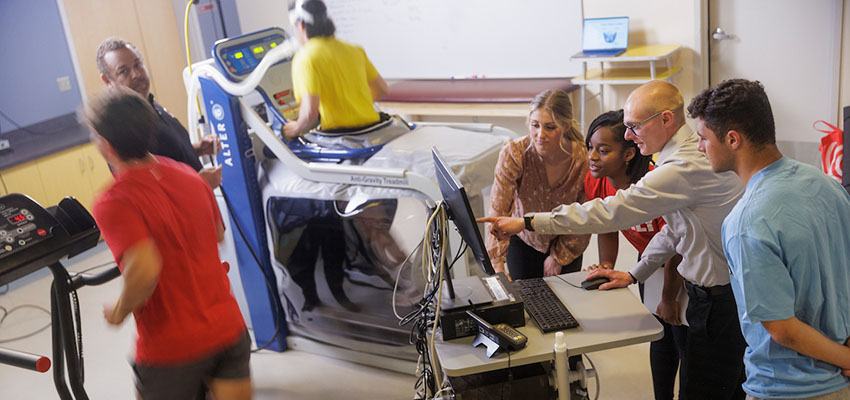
[{"x": 788, "y": 246}]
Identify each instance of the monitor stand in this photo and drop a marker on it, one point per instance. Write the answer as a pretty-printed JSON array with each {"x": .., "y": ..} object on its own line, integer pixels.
[{"x": 469, "y": 292}]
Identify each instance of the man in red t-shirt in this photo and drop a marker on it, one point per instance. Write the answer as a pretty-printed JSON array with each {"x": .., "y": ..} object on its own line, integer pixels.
[{"x": 162, "y": 224}]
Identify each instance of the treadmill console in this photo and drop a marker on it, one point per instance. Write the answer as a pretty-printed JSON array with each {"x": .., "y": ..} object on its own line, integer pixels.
[
  {"x": 32, "y": 237},
  {"x": 23, "y": 224},
  {"x": 238, "y": 56}
]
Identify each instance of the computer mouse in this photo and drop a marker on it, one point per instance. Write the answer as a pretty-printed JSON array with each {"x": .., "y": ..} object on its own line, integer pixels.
[{"x": 593, "y": 284}]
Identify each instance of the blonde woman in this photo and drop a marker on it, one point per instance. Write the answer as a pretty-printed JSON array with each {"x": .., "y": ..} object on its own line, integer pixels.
[{"x": 537, "y": 173}]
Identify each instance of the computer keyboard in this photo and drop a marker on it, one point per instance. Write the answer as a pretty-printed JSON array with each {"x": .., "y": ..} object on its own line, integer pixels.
[{"x": 543, "y": 305}]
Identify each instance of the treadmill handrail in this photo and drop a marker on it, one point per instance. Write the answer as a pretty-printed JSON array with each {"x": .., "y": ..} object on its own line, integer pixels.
[
  {"x": 399, "y": 178},
  {"x": 334, "y": 173},
  {"x": 284, "y": 50}
]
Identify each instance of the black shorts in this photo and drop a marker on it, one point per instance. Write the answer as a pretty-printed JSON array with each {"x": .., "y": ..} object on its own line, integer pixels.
[{"x": 187, "y": 381}]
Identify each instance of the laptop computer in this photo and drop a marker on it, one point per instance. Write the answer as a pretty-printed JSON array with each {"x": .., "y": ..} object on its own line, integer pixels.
[{"x": 604, "y": 37}]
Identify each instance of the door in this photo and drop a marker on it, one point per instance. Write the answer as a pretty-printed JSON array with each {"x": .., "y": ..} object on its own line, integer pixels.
[{"x": 793, "y": 48}]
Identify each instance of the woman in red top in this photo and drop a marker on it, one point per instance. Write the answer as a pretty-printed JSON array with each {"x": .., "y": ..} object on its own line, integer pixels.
[{"x": 616, "y": 163}]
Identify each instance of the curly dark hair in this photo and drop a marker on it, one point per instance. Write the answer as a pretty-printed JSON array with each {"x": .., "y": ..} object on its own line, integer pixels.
[
  {"x": 736, "y": 104},
  {"x": 638, "y": 166}
]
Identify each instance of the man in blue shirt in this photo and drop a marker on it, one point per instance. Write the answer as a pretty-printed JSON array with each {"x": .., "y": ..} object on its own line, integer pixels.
[{"x": 788, "y": 246}]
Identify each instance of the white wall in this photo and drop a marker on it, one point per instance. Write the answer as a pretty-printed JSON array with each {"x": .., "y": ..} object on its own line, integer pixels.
[
  {"x": 261, "y": 14},
  {"x": 657, "y": 22},
  {"x": 652, "y": 22}
]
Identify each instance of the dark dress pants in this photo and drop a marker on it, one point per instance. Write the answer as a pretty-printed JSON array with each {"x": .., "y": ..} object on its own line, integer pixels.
[
  {"x": 667, "y": 356},
  {"x": 525, "y": 262},
  {"x": 715, "y": 344}
]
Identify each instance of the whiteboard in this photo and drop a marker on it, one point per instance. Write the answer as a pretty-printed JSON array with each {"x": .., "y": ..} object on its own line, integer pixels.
[{"x": 444, "y": 39}]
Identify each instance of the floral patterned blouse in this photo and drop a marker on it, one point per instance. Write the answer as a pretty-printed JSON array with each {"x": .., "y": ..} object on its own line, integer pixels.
[{"x": 521, "y": 186}]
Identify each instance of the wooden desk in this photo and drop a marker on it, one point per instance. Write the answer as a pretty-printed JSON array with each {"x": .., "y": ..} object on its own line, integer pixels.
[
  {"x": 627, "y": 76},
  {"x": 468, "y": 97}
]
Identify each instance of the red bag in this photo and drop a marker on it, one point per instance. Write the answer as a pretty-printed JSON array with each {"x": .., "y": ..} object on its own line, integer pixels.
[{"x": 831, "y": 150}]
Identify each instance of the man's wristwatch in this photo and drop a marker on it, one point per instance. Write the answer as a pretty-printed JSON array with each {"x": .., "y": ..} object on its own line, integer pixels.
[
  {"x": 528, "y": 225},
  {"x": 634, "y": 279}
]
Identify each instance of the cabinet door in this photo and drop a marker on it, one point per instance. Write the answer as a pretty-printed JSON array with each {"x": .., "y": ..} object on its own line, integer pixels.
[
  {"x": 65, "y": 174},
  {"x": 25, "y": 179},
  {"x": 99, "y": 174}
]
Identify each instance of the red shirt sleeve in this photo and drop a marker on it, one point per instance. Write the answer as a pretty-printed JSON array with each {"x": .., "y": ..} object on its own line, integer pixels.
[{"x": 120, "y": 223}]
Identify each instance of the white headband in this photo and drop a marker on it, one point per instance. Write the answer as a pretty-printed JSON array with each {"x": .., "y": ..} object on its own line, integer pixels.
[{"x": 299, "y": 13}]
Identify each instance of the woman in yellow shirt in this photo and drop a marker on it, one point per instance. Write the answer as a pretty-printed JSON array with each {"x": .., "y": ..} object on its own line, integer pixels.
[{"x": 331, "y": 78}]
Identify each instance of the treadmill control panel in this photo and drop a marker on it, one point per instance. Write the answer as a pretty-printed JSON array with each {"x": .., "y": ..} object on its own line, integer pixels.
[
  {"x": 23, "y": 223},
  {"x": 238, "y": 56}
]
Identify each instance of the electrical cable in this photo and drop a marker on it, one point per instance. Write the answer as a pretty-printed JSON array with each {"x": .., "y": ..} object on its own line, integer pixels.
[
  {"x": 221, "y": 17},
  {"x": 188, "y": 51},
  {"x": 398, "y": 277},
  {"x": 425, "y": 319},
  {"x": 278, "y": 307},
  {"x": 568, "y": 282},
  {"x": 8, "y": 312},
  {"x": 106, "y": 264},
  {"x": 596, "y": 376},
  {"x": 25, "y": 129},
  {"x": 406, "y": 319}
]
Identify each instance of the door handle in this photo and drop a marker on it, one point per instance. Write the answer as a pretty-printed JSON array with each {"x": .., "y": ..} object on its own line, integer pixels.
[{"x": 720, "y": 34}]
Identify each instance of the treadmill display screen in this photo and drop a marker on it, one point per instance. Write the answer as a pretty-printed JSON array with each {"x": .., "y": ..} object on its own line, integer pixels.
[
  {"x": 243, "y": 58},
  {"x": 19, "y": 217}
]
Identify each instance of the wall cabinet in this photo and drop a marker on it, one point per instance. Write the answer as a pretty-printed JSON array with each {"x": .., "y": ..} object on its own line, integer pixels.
[
  {"x": 79, "y": 172},
  {"x": 24, "y": 179}
]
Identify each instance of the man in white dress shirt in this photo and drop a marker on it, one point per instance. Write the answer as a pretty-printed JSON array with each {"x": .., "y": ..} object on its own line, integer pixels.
[{"x": 693, "y": 200}]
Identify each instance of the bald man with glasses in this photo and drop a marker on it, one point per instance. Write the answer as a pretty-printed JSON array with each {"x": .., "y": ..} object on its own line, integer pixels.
[{"x": 693, "y": 200}]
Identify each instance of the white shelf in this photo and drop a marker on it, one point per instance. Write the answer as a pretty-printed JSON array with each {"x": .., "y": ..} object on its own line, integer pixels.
[
  {"x": 624, "y": 76},
  {"x": 651, "y": 54}
]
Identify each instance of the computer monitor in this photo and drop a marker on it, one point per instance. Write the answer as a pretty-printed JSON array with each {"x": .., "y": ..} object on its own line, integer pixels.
[
  {"x": 460, "y": 211},
  {"x": 605, "y": 35}
]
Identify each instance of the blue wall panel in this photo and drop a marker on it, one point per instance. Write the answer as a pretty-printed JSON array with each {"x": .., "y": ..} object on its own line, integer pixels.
[{"x": 33, "y": 53}]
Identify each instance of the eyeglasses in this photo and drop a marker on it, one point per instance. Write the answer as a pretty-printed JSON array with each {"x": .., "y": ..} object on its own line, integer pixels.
[{"x": 637, "y": 125}]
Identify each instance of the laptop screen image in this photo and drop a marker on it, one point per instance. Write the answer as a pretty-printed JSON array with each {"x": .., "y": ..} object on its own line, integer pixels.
[{"x": 605, "y": 34}]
